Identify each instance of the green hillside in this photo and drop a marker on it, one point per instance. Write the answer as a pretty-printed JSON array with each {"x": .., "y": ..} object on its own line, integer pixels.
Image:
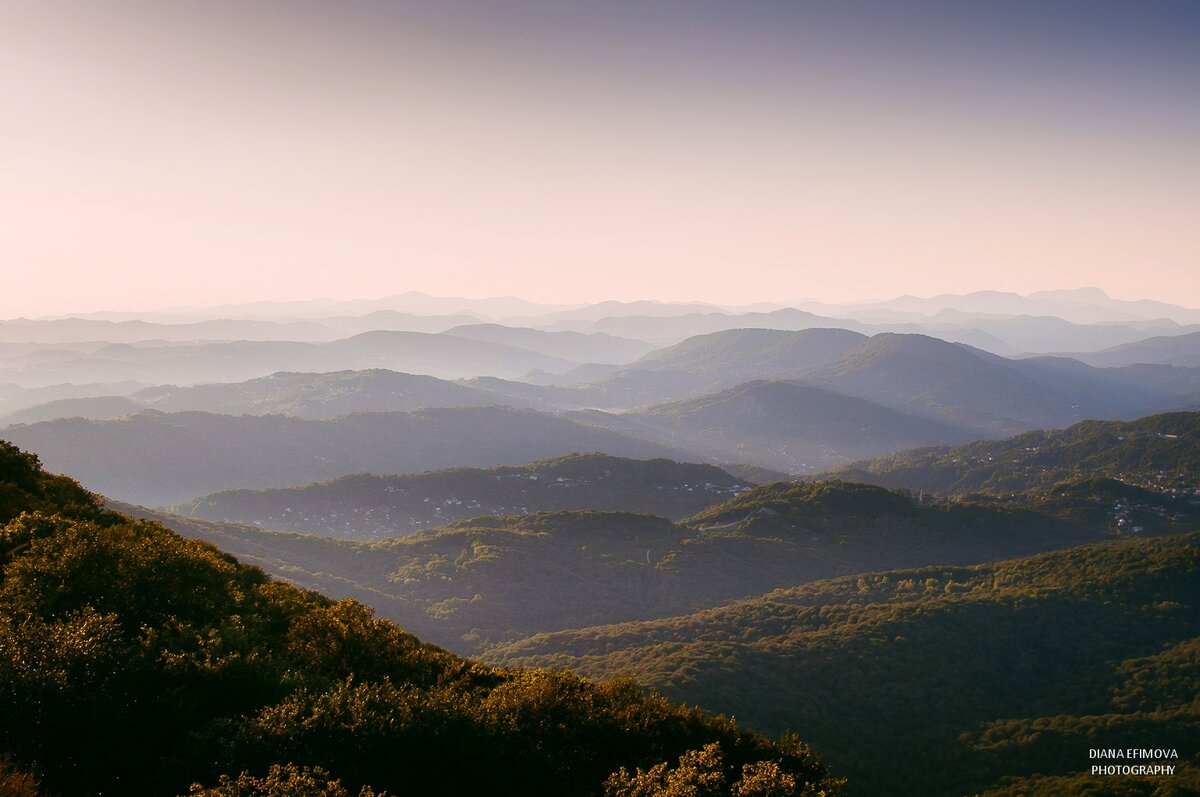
[
  {"x": 483, "y": 580},
  {"x": 1161, "y": 452},
  {"x": 1098, "y": 505},
  {"x": 365, "y": 506},
  {"x": 945, "y": 681},
  {"x": 135, "y": 662}
]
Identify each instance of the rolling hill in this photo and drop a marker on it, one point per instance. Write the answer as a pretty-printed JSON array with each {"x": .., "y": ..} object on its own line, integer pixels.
[
  {"x": 14, "y": 398},
  {"x": 1089, "y": 305},
  {"x": 1181, "y": 350},
  {"x": 1003, "y": 674},
  {"x": 1162, "y": 451},
  {"x": 85, "y": 407},
  {"x": 667, "y": 331},
  {"x": 303, "y": 395},
  {"x": 698, "y": 365},
  {"x": 741, "y": 355},
  {"x": 67, "y": 330},
  {"x": 915, "y": 373},
  {"x": 365, "y": 506},
  {"x": 1123, "y": 392},
  {"x": 791, "y": 427},
  {"x": 982, "y": 391},
  {"x": 166, "y": 458},
  {"x": 441, "y": 355},
  {"x": 1046, "y": 334},
  {"x": 393, "y": 321},
  {"x": 597, "y": 347},
  {"x": 488, "y": 579},
  {"x": 307, "y": 395}
]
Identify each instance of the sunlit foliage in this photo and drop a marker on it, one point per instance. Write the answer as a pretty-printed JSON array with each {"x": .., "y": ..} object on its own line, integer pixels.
[{"x": 135, "y": 662}]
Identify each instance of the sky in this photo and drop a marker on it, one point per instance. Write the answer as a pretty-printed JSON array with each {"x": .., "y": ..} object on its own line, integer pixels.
[{"x": 159, "y": 154}]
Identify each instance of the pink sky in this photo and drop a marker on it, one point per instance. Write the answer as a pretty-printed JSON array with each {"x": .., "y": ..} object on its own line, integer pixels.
[{"x": 164, "y": 154}]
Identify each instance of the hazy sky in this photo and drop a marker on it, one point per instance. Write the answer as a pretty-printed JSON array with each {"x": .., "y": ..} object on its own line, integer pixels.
[{"x": 160, "y": 153}]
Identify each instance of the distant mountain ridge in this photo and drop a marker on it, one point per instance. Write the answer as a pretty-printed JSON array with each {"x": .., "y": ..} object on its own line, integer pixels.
[
  {"x": 669, "y": 330},
  {"x": 992, "y": 394},
  {"x": 1086, "y": 305},
  {"x": 166, "y": 458},
  {"x": 1181, "y": 350},
  {"x": 950, "y": 382},
  {"x": 1006, "y": 324},
  {"x": 792, "y": 427},
  {"x": 789, "y": 401},
  {"x": 942, "y": 380},
  {"x": 1083, "y": 305},
  {"x": 133, "y": 330},
  {"x": 303, "y": 395},
  {"x": 740, "y": 355},
  {"x": 1044, "y": 322},
  {"x": 597, "y": 347},
  {"x": 441, "y": 355}
]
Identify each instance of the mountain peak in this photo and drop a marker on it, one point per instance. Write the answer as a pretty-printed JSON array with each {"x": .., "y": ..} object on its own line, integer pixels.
[{"x": 1086, "y": 294}]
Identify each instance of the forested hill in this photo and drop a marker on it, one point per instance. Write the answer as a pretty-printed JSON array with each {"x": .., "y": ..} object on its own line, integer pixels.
[
  {"x": 367, "y": 506},
  {"x": 994, "y": 679},
  {"x": 830, "y": 508},
  {"x": 1160, "y": 451},
  {"x": 135, "y": 662},
  {"x": 483, "y": 580}
]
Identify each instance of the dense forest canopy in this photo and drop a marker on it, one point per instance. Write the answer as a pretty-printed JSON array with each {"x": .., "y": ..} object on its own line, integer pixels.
[
  {"x": 134, "y": 662},
  {"x": 1160, "y": 451},
  {"x": 993, "y": 679},
  {"x": 483, "y": 580}
]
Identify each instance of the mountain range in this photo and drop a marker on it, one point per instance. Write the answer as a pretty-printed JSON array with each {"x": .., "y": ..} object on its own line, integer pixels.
[
  {"x": 796, "y": 428},
  {"x": 1181, "y": 350},
  {"x": 442, "y": 355},
  {"x": 1087, "y": 305},
  {"x": 160, "y": 458},
  {"x": 865, "y": 397},
  {"x": 302, "y": 395},
  {"x": 919, "y": 374},
  {"x": 950, "y": 542}
]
